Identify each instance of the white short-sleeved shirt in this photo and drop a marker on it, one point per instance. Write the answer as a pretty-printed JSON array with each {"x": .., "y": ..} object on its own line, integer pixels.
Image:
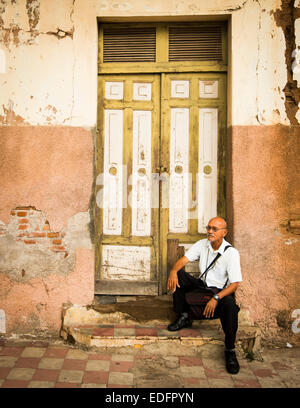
[{"x": 227, "y": 266}]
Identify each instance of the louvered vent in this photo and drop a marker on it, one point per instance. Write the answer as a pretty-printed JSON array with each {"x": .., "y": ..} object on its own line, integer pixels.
[
  {"x": 129, "y": 44},
  {"x": 195, "y": 43}
]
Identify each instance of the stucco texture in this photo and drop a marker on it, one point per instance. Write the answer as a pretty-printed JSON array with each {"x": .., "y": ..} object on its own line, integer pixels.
[
  {"x": 264, "y": 186},
  {"x": 36, "y": 306},
  {"x": 50, "y": 168}
]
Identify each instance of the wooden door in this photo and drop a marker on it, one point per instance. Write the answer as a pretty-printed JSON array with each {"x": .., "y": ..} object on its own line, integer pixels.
[
  {"x": 193, "y": 153},
  {"x": 127, "y": 207}
]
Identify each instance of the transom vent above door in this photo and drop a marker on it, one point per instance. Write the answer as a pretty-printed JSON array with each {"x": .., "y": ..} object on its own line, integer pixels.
[
  {"x": 129, "y": 44},
  {"x": 162, "y": 42},
  {"x": 195, "y": 43}
]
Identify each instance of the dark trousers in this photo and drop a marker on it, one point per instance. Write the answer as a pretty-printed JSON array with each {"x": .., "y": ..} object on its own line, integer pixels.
[{"x": 226, "y": 310}]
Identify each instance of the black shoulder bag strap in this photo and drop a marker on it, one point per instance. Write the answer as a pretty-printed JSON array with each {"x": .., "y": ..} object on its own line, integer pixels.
[{"x": 211, "y": 265}]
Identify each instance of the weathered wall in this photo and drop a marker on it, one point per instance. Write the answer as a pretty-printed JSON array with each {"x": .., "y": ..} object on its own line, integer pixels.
[
  {"x": 46, "y": 254},
  {"x": 48, "y": 112}
]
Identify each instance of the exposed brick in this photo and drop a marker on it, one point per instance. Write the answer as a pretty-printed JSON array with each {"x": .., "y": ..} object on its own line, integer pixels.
[
  {"x": 58, "y": 248},
  {"x": 23, "y": 221},
  {"x": 29, "y": 241},
  {"x": 21, "y": 213},
  {"x": 22, "y": 227},
  {"x": 46, "y": 227},
  {"x": 56, "y": 241},
  {"x": 53, "y": 234},
  {"x": 66, "y": 254},
  {"x": 22, "y": 235},
  {"x": 36, "y": 235},
  {"x": 30, "y": 207},
  {"x": 12, "y": 213}
]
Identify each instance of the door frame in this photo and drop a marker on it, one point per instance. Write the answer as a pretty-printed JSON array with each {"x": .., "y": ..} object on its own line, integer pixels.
[{"x": 162, "y": 67}]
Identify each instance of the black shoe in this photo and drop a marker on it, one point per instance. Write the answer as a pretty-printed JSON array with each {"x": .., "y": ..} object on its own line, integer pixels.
[
  {"x": 232, "y": 365},
  {"x": 180, "y": 323}
]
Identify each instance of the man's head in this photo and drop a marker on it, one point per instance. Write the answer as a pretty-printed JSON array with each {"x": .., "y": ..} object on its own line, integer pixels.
[{"x": 216, "y": 231}]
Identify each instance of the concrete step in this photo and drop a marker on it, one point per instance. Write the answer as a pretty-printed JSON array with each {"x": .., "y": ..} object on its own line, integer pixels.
[{"x": 144, "y": 322}]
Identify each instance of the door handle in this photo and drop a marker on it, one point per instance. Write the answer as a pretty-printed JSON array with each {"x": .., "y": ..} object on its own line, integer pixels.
[{"x": 161, "y": 169}]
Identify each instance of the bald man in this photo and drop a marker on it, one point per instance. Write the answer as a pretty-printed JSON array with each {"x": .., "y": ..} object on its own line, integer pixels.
[{"x": 223, "y": 277}]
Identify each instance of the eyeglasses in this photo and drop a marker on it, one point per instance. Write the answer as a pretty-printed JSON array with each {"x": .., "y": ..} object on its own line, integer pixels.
[{"x": 215, "y": 229}]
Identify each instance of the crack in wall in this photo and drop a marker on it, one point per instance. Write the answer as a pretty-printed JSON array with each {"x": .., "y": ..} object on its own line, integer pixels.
[
  {"x": 237, "y": 7},
  {"x": 10, "y": 35},
  {"x": 285, "y": 19},
  {"x": 258, "y": 115}
]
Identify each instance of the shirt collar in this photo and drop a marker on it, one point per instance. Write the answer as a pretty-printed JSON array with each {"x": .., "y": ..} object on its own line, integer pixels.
[{"x": 220, "y": 249}]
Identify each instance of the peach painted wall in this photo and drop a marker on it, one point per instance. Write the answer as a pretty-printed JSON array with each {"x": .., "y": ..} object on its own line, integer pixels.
[
  {"x": 265, "y": 195},
  {"x": 50, "y": 168}
]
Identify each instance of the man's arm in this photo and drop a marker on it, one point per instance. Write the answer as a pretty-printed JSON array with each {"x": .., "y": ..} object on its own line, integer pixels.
[
  {"x": 212, "y": 304},
  {"x": 173, "y": 278}
]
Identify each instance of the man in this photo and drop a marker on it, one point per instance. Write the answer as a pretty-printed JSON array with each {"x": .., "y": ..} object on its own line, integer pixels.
[{"x": 223, "y": 304}]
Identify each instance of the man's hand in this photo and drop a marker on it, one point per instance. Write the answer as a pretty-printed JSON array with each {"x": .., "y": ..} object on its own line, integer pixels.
[
  {"x": 210, "y": 307},
  {"x": 173, "y": 278},
  {"x": 173, "y": 281}
]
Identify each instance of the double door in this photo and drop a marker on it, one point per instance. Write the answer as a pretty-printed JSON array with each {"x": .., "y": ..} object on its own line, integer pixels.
[{"x": 160, "y": 173}]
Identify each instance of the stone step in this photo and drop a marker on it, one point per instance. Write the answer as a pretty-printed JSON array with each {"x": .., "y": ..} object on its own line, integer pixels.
[{"x": 106, "y": 326}]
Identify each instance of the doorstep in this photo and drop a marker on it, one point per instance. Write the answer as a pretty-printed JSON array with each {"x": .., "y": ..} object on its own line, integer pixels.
[{"x": 135, "y": 335}]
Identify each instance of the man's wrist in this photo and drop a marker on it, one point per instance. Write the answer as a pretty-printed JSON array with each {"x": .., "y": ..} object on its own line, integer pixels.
[{"x": 217, "y": 298}]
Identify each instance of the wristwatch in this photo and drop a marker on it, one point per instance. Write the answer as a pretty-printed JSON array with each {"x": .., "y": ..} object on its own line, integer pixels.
[{"x": 216, "y": 297}]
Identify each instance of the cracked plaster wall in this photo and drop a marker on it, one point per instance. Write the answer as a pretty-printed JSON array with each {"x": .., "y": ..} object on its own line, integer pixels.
[{"x": 56, "y": 82}]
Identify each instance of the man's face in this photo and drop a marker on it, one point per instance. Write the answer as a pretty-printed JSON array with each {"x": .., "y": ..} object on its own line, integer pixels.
[{"x": 216, "y": 230}]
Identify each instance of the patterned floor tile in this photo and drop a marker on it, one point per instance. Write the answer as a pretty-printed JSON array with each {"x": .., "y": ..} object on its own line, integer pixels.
[
  {"x": 41, "y": 384},
  {"x": 37, "y": 352},
  {"x": 97, "y": 365},
  {"x": 95, "y": 377},
  {"x": 70, "y": 376},
  {"x": 42, "y": 374},
  {"x": 51, "y": 363},
  {"x": 24, "y": 374}
]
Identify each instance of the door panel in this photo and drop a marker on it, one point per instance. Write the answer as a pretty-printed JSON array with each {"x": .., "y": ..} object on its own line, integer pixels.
[
  {"x": 127, "y": 236},
  {"x": 192, "y": 150}
]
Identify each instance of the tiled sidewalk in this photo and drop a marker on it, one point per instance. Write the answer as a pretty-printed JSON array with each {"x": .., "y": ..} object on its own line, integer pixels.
[{"x": 59, "y": 365}]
